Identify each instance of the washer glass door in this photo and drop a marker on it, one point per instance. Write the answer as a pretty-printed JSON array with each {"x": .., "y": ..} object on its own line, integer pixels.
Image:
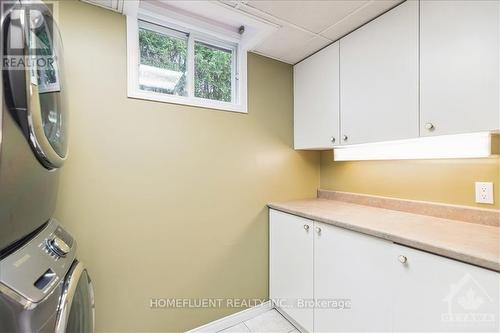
[
  {"x": 77, "y": 313},
  {"x": 46, "y": 109},
  {"x": 33, "y": 48}
]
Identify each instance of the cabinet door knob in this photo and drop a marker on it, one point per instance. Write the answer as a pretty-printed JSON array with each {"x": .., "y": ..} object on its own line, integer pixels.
[
  {"x": 306, "y": 227},
  {"x": 429, "y": 126},
  {"x": 332, "y": 139},
  {"x": 345, "y": 137},
  {"x": 318, "y": 230},
  {"x": 402, "y": 259}
]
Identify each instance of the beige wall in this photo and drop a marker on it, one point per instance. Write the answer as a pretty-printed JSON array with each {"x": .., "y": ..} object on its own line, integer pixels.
[
  {"x": 169, "y": 201},
  {"x": 166, "y": 200},
  {"x": 447, "y": 181}
]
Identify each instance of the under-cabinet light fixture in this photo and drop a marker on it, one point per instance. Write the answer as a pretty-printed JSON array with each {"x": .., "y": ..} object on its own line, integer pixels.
[{"x": 470, "y": 145}]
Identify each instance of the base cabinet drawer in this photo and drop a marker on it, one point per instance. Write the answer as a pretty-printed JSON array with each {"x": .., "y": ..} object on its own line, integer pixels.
[{"x": 433, "y": 293}]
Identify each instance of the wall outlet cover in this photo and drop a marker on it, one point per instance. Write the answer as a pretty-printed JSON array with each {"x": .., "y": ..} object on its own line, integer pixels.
[{"x": 484, "y": 192}]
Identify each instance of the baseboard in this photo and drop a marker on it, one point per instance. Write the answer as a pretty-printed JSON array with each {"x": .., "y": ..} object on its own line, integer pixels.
[{"x": 231, "y": 320}]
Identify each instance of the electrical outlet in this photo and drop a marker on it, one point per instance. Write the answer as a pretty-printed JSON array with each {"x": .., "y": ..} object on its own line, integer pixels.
[{"x": 484, "y": 192}]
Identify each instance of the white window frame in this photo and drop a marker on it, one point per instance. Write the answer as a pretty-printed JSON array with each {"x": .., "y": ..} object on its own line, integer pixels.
[{"x": 239, "y": 67}]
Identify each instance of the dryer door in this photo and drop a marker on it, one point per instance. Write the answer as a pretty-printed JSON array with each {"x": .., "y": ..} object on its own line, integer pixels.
[
  {"x": 34, "y": 87},
  {"x": 76, "y": 310}
]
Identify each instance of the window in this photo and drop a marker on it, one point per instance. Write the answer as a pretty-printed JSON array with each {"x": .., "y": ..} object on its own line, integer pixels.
[
  {"x": 163, "y": 60},
  {"x": 214, "y": 74},
  {"x": 172, "y": 63}
]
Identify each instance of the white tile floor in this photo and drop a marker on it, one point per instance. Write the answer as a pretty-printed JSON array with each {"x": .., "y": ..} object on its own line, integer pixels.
[{"x": 270, "y": 321}]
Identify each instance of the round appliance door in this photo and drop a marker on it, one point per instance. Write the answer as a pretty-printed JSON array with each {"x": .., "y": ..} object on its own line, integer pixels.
[
  {"x": 76, "y": 309},
  {"x": 34, "y": 87}
]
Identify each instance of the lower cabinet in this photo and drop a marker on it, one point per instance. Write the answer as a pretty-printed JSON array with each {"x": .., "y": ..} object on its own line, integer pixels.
[
  {"x": 291, "y": 266},
  {"x": 351, "y": 269},
  {"x": 433, "y": 293},
  {"x": 329, "y": 279}
]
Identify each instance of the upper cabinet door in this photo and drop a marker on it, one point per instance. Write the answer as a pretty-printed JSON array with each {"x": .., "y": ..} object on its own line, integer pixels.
[
  {"x": 379, "y": 78},
  {"x": 316, "y": 100},
  {"x": 459, "y": 78}
]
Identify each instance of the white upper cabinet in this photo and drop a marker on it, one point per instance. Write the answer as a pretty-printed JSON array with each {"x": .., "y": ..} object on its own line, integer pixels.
[
  {"x": 459, "y": 73},
  {"x": 379, "y": 78},
  {"x": 436, "y": 294},
  {"x": 291, "y": 265},
  {"x": 355, "y": 270},
  {"x": 429, "y": 67},
  {"x": 316, "y": 100}
]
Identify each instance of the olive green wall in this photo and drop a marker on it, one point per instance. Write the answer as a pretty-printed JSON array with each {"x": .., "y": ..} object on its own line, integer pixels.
[
  {"x": 165, "y": 200},
  {"x": 170, "y": 201},
  {"x": 447, "y": 181}
]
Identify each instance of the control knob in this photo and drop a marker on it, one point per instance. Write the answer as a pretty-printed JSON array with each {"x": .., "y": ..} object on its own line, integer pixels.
[{"x": 57, "y": 246}]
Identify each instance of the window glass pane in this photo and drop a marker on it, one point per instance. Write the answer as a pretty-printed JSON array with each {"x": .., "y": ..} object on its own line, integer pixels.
[
  {"x": 213, "y": 72},
  {"x": 163, "y": 63}
]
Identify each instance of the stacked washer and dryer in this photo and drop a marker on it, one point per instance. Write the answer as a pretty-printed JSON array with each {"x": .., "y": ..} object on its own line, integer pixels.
[{"x": 43, "y": 287}]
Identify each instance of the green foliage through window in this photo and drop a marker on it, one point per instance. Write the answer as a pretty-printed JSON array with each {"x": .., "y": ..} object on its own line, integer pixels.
[
  {"x": 212, "y": 72},
  {"x": 164, "y": 52},
  {"x": 164, "y": 65}
]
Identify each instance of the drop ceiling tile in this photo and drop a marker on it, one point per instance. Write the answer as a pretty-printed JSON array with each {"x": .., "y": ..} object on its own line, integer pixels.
[
  {"x": 312, "y": 15},
  {"x": 313, "y": 45},
  {"x": 359, "y": 17},
  {"x": 283, "y": 42},
  {"x": 231, "y": 3}
]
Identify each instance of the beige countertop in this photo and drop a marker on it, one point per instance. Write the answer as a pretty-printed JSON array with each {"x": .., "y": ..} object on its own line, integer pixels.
[{"x": 468, "y": 242}]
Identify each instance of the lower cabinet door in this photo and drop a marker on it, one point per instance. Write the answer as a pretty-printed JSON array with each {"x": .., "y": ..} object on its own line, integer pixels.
[
  {"x": 291, "y": 266},
  {"x": 352, "y": 281},
  {"x": 433, "y": 293}
]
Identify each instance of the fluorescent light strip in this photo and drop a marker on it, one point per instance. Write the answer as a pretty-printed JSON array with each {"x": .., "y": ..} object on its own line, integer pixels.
[{"x": 471, "y": 145}]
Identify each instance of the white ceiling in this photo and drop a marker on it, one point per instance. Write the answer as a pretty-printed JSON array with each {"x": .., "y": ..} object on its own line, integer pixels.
[
  {"x": 305, "y": 27},
  {"x": 292, "y": 29},
  {"x": 288, "y": 30}
]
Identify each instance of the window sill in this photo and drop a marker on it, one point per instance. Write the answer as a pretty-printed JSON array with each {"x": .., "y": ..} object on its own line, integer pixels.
[{"x": 197, "y": 102}]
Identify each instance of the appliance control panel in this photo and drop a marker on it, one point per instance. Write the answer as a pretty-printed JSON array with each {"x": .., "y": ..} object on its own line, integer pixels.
[
  {"x": 59, "y": 243},
  {"x": 32, "y": 272}
]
